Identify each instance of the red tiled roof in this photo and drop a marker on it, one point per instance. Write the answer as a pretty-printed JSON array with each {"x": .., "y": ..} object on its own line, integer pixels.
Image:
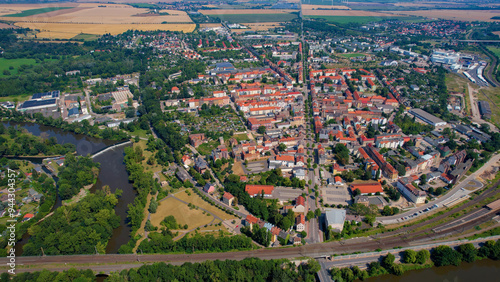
[
  {"x": 366, "y": 188},
  {"x": 300, "y": 201},
  {"x": 228, "y": 195},
  {"x": 251, "y": 219},
  {"x": 253, "y": 190}
]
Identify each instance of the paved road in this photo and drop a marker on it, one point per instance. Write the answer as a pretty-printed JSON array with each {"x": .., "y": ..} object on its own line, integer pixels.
[{"x": 396, "y": 218}]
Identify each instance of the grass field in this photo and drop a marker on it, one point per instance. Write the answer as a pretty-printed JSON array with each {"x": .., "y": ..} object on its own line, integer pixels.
[
  {"x": 249, "y": 18},
  {"x": 182, "y": 213},
  {"x": 6, "y": 64},
  {"x": 241, "y": 137},
  {"x": 197, "y": 201},
  {"x": 495, "y": 50},
  {"x": 352, "y": 55},
  {"x": 238, "y": 168},
  {"x": 86, "y": 37},
  {"x": 206, "y": 148},
  {"x": 493, "y": 93},
  {"x": 33, "y": 12},
  {"x": 359, "y": 19}
]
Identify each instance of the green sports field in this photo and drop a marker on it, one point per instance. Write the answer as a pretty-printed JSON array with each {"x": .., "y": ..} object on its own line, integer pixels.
[{"x": 32, "y": 12}]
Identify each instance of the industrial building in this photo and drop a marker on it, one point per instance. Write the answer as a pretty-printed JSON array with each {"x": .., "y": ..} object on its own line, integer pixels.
[
  {"x": 428, "y": 118},
  {"x": 484, "y": 109},
  {"x": 335, "y": 219},
  {"x": 445, "y": 57}
]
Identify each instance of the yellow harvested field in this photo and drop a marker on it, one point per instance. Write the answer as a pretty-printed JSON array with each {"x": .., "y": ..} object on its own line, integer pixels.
[
  {"x": 459, "y": 15},
  {"x": 244, "y": 11},
  {"x": 496, "y": 32},
  {"x": 182, "y": 213},
  {"x": 110, "y": 14},
  {"x": 67, "y": 31},
  {"x": 347, "y": 13},
  {"x": 89, "y": 18},
  {"x": 306, "y": 7},
  {"x": 197, "y": 201}
]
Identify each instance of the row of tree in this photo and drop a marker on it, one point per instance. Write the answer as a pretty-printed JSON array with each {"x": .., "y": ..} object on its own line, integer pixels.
[{"x": 228, "y": 270}]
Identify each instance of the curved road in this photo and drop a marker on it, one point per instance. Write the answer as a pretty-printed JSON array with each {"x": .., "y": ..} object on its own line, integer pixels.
[{"x": 396, "y": 218}]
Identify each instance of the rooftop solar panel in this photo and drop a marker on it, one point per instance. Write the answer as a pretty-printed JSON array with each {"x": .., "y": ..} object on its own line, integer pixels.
[{"x": 34, "y": 103}]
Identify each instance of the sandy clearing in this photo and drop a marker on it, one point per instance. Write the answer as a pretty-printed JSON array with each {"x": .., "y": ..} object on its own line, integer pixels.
[
  {"x": 460, "y": 15},
  {"x": 244, "y": 11},
  {"x": 182, "y": 213},
  {"x": 67, "y": 31}
]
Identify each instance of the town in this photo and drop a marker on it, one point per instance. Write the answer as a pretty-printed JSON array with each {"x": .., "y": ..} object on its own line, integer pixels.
[{"x": 298, "y": 134}]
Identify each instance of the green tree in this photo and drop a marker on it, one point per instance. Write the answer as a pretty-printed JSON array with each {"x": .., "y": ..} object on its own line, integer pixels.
[
  {"x": 468, "y": 252},
  {"x": 445, "y": 255},
  {"x": 153, "y": 206},
  {"x": 388, "y": 261},
  {"x": 410, "y": 256},
  {"x": 261, "y": 129},
  {"x": 422, "y": 256}
]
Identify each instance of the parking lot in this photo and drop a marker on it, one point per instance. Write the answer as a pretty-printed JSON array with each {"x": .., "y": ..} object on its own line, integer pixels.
[
  {"x": 255, "y": 167},
  {"x": 287, "y": 193},
  {"x": 335, "y": 195}
]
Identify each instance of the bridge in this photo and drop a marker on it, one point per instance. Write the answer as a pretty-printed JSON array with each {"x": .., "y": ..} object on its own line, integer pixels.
[{"x": 110, "y": 148}]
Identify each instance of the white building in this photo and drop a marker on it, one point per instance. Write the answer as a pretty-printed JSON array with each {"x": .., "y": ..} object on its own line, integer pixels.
[{"x": 335, "y": 218}]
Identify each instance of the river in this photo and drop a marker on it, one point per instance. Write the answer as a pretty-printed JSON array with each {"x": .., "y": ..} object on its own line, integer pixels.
[
  {"x": 112, "y": 173},
  {"x": 481, "y": 271}
]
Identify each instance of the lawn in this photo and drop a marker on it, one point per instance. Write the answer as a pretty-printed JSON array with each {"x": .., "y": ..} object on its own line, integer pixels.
[
  {"x": 32, "y": 12},
  {"x": 206, "y": 148},
  {"x": 15, "y": 98},
  {"x": 197, "y": 201},
  {"x": 241, "y": 137},
  {"x": 140, "y": 133},
  {"x": 12, "y": 65},
  {"x": 255, "y": 18},
  {"x": 352, "y": 55},
  {"x": 360, "y": 19},
  {"x": 182, "y": 213}
]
